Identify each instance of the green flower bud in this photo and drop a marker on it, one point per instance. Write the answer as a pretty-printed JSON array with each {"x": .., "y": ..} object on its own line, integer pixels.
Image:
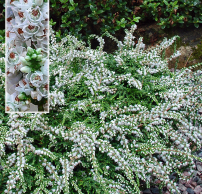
[
  {"x": 25, "y": 69},
  {"x": 22, "y": 96},
  {"x": 38, "y": 51},
  {"x": 27, "y": 58},
  {"x": 39, "y": 57},
  {"x": 30, "y": 50},
  {"x": 34, "y": 56},
  {"x": 23, "y": 61}
]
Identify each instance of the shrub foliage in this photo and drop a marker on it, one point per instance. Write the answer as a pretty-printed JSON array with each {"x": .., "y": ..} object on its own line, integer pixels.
[
  {"x": 117, "y": 122},
  {"x": 82, "y": 18}
]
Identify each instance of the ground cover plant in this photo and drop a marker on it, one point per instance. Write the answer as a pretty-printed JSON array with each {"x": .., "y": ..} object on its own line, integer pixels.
[{"x": 117, "y": 122}]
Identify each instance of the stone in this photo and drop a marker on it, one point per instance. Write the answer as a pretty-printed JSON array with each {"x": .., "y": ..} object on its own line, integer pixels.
[
  {"x": 157, "y": 181},
  {"x": 186, "y": 173},
  {"x": 147, "y": 191},
  {"x": 199, "y": 168},
  {"x": 155, "y": 190},
  {"x": 198, "y": 163},
  {"x": 184, "y": 192},
  {"x": 196, "y": 179},
  {"x": 190, "y": 191},
  {"x": 195, "y": 172},
  {"x": 198, "y": 189},
  {"x": 182, "y": 181},
  {"x": 200, "y": 111},
  {"x": 199, "y": 182},
  {"x": 182, "y": 187},
  {"x": 200, "y": 154},
  {"x": 188, "y": 185},
  {"x": 193, "y": 183},
  {"x": 173, "y": 176}
]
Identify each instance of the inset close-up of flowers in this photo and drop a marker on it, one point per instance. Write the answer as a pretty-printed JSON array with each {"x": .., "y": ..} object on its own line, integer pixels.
[{"x": 27, "y": 56}]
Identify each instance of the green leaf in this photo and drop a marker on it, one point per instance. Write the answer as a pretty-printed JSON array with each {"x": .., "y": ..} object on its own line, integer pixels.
[
  {"x": 63, "y": 1},
  {"x": 136, "y": 19},
  {"x": 71, "y": 8},
  {"x": 196, "y": 25},
  {"x": 92, "y": 8},
  {"x": 122, "y": 20},
  {"x": 100, "y": 11},
  {"x": 72, "y": 2}
]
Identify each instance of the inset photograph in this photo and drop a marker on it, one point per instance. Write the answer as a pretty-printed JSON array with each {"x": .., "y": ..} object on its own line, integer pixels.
[{"x": 27, "y": 65}]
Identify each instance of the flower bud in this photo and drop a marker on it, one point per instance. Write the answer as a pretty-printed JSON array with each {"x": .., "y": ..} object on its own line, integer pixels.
[
  {"x": 39, "y": 57},
  {"x": 29, "y": 50},
  {"x": 27, "y": 58},
  {"x": 34, "y": 56},
  {"x": 22, "y": 96},
  {"x": 25, "y": 69},
  {"x": 38, "y": 51},
  {"x": 39, "y": 2},
  {"x": 23, "y": 61}
]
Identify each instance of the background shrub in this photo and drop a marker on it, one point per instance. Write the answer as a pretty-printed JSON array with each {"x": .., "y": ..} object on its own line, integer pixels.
[{"x": 82, "y": 18}]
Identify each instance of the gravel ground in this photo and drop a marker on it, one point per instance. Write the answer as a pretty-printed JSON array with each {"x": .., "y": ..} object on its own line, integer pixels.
[{"x": 192, "y": 186}]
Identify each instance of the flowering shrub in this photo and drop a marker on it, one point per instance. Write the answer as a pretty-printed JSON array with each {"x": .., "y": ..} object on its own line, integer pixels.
[
  {"x": 26, "y": 58},
  {"x": 117, "y": 122}
]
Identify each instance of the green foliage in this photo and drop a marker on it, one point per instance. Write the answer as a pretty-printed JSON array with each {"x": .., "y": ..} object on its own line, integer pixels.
[
  {"x": 172, "y": 13},
  {"x": 82, "y": 18},
  {"x": 115, "y": 120}
]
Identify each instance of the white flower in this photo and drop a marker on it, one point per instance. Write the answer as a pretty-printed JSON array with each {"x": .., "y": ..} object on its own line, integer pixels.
[
  {"x": 36, "y": 95},
  {"x": 43, "y": 91},
  {"x": 35, "y": 15},
  {"x": 10, "y": 105},
  {"x": 38, "y": 2},
  {"x": 37, "y": 78},
  {"x": 32, "y": 29},
  {"x": 44, "y": 68},
  {"x": 24, "y": 87},
  {"x": 23, "y": 5},
  {"x": 20, "y": 16},
  {"x": 13, "y": 56},
  {"x": 23, "y": 106},
  {"x": 42, "y": 43}
]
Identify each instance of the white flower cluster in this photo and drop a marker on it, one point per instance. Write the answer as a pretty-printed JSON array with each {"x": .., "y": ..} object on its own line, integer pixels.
[
  {"x": 26, "y": 55},
  {"x": 105, "y": 128}
]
